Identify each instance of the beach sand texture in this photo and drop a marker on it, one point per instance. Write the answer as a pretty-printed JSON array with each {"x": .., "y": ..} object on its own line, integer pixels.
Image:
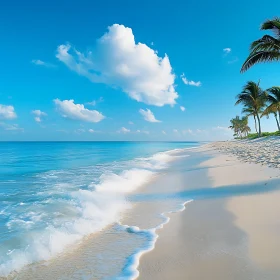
[{"x": 232, "y": 232}]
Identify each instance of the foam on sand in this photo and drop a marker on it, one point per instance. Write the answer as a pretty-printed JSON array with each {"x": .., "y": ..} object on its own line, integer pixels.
[{"x": 130, "y": 271}]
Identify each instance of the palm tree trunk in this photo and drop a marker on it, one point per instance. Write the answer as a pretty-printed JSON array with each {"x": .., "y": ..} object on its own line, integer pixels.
[
  {"x": 275, "y": 115},
  {"x": 255, "y": 123},
  {"x": 259, "y": 121}
]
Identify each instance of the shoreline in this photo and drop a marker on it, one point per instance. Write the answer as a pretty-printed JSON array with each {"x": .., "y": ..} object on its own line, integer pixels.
[
  {"x": 213, "y": 236},
  {"x": 74, "y": 259},
  {"x": 171, "y": 231}
]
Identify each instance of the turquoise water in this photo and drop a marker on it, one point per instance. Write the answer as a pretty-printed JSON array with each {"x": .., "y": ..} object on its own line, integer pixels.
[{"x": 55, "y": 193}]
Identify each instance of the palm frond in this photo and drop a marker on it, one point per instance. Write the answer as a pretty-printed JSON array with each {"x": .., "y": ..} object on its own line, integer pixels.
[
  {"x": 266, "y": 43},
  {"x": 274, "y": 93},
  {"x": 271, "y": 109},
  {"x": 273, "y": 25},
  {"x": 261, "y": 56}
]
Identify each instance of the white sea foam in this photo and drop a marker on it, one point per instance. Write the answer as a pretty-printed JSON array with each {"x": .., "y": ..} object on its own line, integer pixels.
[
  {"x": 83, "y": 212},
  {"x": 127, "y": 181},
  {"x": 130, "y": 271}
]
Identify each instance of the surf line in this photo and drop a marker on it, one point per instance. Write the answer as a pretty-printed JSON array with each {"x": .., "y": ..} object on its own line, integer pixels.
[{"x": 130, "y": 270}]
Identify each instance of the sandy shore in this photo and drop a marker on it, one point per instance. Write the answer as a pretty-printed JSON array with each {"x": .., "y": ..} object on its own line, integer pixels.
[{"x": 231, "y": 230}]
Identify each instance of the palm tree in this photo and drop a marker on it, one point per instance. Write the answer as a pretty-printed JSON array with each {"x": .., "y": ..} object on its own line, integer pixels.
[
  {"x": 248, "y": 111},
  {"x": 267, "y": 48},
  {"x": 253, "y": 98},
  {"x": 240, "y": 126},
  {"x": 273, "y": 97},
  {"x": 245, "y": 129},
  {"x": 235, "y": 125}
]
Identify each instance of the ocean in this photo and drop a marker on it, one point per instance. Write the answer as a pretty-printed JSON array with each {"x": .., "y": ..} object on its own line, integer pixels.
[{"x": 75, "y": 210}]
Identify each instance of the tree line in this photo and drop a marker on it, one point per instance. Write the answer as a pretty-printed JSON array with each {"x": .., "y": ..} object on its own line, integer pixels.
[{"x": 259, "y": 103}]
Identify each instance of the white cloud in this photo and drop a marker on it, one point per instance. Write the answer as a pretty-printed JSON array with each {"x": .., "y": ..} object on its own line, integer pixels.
[
  {"x": 11, "y": 127},
  {"x": 190, "y": 83},
  {"x": 188, "y": 131},
  {"x": 175, "y": 131},
  {"x": 235, "y": 59},
  {"x": 94, "y": 102},
  {"x": 163, "y": 132},
  {"x": 118, "y": 61},
  {"x": 182, "y": 108},
  {"x": 221, "y": 128},
  {"x": 62, "y": 130},
  {"x": 38, "y": 115},
  {"x": 226, "y": 50},
  {"x": 200, "y": 131},
  {"x": 42, "y": 63},
  {"x": 68, "y": 109},
  {"x": 91, "y": 130},
  {"x": 123, "y": 130},
  {"x": 7, "y": 112},
  {"x": 148, "y": 115},
  {"x": 130, "y": 123},
  {"x": 80, "y": 130},
  {"x": 143, "y": 131}
]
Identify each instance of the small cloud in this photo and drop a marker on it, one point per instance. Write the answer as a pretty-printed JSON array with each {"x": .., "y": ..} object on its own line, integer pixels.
[
  {"x": 148, "y": 115},
  {"x": 187, "y": 131},
  {"x": 200, "y": 131},
  {"x": 189, "y": 82},
  {"x": 182, "y": 108},
  {"x": 7, "y": 112},
  {"x": 130, "y": 123},
  {"x": 94, "y": 102},
  {"x": 221, "y": 128},
  {"x": 38, "y": 115},
  {"x": 62, "y": 130},
  {"x": 163, "y": 132},
  {"x": 123, "y": 130},
  {"x": 68, "y": 109},
  {"x": 91, "y": 130},
  {"x": 227, "y": 51},
  {"x": 11, "y": 127},
  {"x": 42, "y": 63},
  {"x": 143, "y": 131},
  {"x": 79, "y": 131},
  {"x": 233, "y": 60},
  {"x": 175, "y": 130}
]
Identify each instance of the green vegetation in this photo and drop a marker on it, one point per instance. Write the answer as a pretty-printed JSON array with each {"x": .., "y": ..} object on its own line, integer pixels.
[
  {"x": 264, "y": 134},
  {"x": 266, "y": 49},
  {"x": 257, "y": 103}
]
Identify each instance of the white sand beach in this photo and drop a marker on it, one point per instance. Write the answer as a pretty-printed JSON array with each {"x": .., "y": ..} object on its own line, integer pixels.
[{"x": 232, "y": 234}]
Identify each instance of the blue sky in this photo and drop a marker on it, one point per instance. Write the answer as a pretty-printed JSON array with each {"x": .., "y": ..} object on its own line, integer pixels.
[{"x": 127, "y": 70}]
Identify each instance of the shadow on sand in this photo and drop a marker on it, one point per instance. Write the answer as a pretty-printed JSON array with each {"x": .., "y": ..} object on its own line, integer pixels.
[{"x": 213, "y": 193}]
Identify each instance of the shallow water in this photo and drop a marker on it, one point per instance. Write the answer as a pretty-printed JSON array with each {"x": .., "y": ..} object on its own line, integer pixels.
[{"x": 71, "y": 210}]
